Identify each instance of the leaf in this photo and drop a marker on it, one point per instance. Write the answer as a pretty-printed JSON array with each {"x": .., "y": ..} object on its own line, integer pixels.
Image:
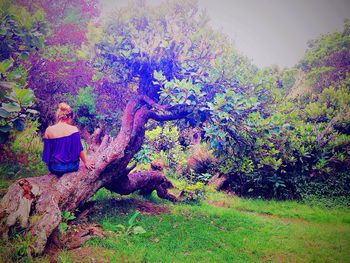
[
  {"x": 62, "y": 227},
  {"x": 5, "y": 65},
  {"x": 18, "y": 124},
  {"x": 133, "y": 218},
  {"x": 32, "y": 111},
  {"x": 121, "y": 226},
  {"x": 65, "y": 214},
  {"x": 11, "y": 107},
  {"x": 5, "y": 128},
  {"x": 4, "y": 113},
  {"x": 24, "y": 55},
  {"x": 97, "y": 76},
  {"x": 4, "y": 137},
  {"x": 23, "y": 96},
  {"x": 138, "y": 230},
  {"x": 71, "y": 217},
  {"x": 7, "y": 85},
  {"x": 276, "y": 129}
]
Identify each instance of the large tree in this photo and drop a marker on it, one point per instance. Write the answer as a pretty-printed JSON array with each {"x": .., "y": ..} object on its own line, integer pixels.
[
  {"x": 171, "y": 63},
  {"x": 124, "y": 56},
  {"x": 36, "y": 202}
]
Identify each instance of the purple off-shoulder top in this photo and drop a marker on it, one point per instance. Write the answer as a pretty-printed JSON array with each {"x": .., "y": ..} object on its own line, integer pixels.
[{"x": 62, "y": 150}]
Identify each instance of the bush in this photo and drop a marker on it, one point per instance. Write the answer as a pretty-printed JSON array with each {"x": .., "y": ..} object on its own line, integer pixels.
[
  {"x": 28, "y": 147},
  {"x": 334, "y": 186},
  {"x": 202, "y": 162},
  {"x": 84, "y": 104},
  {"x": 192, "y": 193},
  {"x": 201, "y": 159},
  {"x": 164, "y": 142}
]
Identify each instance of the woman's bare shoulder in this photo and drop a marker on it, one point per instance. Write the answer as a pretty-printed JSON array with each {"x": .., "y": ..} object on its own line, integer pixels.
[
  {"x": 48, "y": 132},
  {"x": 75, "y": 128},
  {"x": 56, "y": 131}
]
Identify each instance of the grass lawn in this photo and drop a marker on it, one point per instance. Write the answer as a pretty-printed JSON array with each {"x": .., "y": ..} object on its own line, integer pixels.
[{"x": 220, "y": 229}]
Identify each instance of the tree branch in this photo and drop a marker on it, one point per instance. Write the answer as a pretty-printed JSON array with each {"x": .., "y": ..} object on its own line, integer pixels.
[
  {"x": 168, "y": 117},
  {"x": 153, "y": 104}
]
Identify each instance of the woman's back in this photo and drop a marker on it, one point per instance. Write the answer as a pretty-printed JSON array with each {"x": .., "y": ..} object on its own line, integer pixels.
[
  {"x": 62, "y": 144},
  {"x": 59, "y": 130}
]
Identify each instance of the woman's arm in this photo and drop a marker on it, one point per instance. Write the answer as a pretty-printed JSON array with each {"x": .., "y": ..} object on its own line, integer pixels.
[{"x": 88, "y": 165}]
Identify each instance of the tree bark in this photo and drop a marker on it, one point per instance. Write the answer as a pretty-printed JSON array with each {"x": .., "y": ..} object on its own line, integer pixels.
[{"x": 36, "y": 203}]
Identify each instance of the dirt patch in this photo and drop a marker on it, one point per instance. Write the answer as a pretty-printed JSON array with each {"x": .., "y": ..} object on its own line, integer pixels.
[
  {"x": 279, "y": 258},
  {"x": 221, "y": 204},
  {"x": 293, "y": 220},
  {"x": 121, "y": 206},
  {"x": 149, "y": 208},
  {"x": 269, "y": 215},
  {"x": 253, "y": 211},
  {"x": 89, "y": 254}
]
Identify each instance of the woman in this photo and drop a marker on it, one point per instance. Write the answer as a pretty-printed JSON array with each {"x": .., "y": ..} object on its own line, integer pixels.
[{"x": 62, "y": 144}]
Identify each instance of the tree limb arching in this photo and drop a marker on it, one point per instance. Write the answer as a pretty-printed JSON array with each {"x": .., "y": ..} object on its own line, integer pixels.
[{"x": 37, "y": 202}]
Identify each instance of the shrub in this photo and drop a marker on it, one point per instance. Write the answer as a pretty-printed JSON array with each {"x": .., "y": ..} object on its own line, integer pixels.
[
  {"x": 84, "y": 104},
  {"x": 28, "y": 147},
  {"x": 165, "y": 142},
  {"x": 145, "y": 155},
  {"x": 202, "y": 162},
  {"x": 192, "y": 193},
  {"x": 201, "y": 159},
  {"x": 334, "y": 187}
]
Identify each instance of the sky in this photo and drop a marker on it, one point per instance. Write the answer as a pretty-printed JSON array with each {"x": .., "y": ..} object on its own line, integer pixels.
[{"x": 269, "y": 32}]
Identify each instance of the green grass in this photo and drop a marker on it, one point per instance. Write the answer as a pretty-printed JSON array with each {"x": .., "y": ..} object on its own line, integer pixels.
[
  {"x": 221, "y": 228},
  {"x": 224, "y": 229}
]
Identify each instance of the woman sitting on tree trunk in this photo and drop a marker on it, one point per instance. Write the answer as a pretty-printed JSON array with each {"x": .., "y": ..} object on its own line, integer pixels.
[{"x": 62, "y": 144}]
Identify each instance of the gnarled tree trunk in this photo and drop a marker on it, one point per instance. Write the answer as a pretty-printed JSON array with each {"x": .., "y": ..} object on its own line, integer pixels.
[{"x": 36, "y": 203}]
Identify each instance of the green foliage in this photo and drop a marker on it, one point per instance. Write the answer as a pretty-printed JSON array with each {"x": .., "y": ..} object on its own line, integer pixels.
[
  {"x": 332, "y": 188},
  {"x": 191, "y": 193},
  {"x": 21, "y": 33},
  {"x": 321, "y": 48},
  {"x": 84, "y": 105},
  {"x": 288, "y": 78},
  {"x": 16, "y": 249},
  {"x": 179, "y": 91},
  {"x": 145, "y": 155},
  {"x": 22, "y": 246},
  {"x": 28, "y": 145},
  {"x": 250, "y": 230},
  {"x": 202, "y": 163},
  {"x": 66, "y": 217},
  {"x": 330, "y": 103},
  {"x": 163, "y": 142},
  {"x": 15, "y": 111},
  {"x": 63, "y": 257},
  {"x": 265, "y": 141},
  {"x": 325, "y": 61},
  {"x": 127, "y": 230}
]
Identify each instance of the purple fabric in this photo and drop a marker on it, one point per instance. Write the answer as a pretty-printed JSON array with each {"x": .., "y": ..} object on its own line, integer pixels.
[{"x": 62, "y": 150}]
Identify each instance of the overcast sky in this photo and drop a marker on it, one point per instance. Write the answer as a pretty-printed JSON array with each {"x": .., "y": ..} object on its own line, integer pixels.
[{"x": 269, "y": 32}]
